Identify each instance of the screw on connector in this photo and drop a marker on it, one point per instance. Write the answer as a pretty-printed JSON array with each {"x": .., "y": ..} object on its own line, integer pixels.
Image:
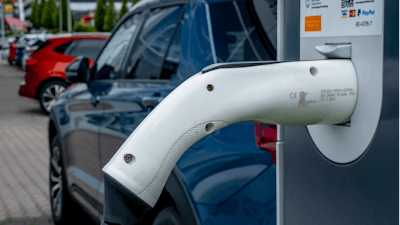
[
  {"x": 210, "y": 87},
  {"x": 209, "y": 127},
  {"x": 128, "y": 158}
]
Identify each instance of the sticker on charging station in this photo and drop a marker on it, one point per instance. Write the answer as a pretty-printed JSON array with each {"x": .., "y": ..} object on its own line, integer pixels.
[{"x": 332, "y": 18}]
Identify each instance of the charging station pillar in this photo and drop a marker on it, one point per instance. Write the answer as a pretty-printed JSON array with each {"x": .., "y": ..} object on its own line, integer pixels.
[{"x": 348, "y": 173}]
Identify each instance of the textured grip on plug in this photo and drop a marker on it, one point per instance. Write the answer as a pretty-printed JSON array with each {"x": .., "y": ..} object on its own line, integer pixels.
[{"x": 152, "y": 192}]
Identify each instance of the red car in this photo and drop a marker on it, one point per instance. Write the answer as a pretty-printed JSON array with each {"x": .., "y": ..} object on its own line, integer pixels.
[
  {"x": 45, "y": 69},
  {"x": 13, "y": 52}
]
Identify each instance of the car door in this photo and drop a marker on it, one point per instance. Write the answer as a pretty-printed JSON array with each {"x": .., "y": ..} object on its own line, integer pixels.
[
  {"x": 82, "y": 160},
  {"x": 145, "y": 81},
  {"x": 107, "y": 64}
]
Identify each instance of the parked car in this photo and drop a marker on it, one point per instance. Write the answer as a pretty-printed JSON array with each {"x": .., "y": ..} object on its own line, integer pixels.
[
  {"x": 13, "y": 52},
  {"x": 45, "y": 76},
  {"x": 21, "y": 43},
  {"x": 28, "y": 50},
  {"x": 29, "y": 40},
  {"x": 32, "y": 46},
  {"x": 227, "y": 177},
  {"x": 5, "y": 48}
]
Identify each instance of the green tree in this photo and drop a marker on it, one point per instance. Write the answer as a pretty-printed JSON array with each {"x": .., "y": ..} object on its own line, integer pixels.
[
  {"x": 44, "y": 15},
  {"x": 134, "y": 2},
  {"x": 33, "y": 14},
  {"x": 55, "y": 17},
  {"x": 99, "y": 14},
  {"x": 109, "y": 18},
  {"x": 38, "y": 14},
  {"x": 64, "y": 14},
  {"x": 47, "y": 20},
  {"x": 124, "y": 9}
]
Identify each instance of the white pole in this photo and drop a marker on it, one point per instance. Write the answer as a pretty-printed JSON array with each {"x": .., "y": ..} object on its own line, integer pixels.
[
  {"x": 3, "y": 30},
  {"x": 21, "y": 10},
  {"x": 69, "y": 17}
]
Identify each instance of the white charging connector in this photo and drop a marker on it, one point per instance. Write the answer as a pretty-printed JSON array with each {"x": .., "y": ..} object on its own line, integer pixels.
[{"x": 288, "y": 93}]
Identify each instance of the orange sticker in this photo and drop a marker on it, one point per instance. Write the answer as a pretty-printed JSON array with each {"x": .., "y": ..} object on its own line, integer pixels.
[{"x": 313, "y": 23}]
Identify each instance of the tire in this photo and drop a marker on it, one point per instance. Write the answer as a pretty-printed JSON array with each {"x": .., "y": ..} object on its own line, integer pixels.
[
  {"x": 64, "y": 209},
  {"x": 168, "y": 216},
  {"x": 49, "y": 93}
]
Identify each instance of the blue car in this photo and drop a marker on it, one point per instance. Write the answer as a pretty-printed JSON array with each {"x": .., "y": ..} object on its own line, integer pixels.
[{"x": 227, "y": 177}]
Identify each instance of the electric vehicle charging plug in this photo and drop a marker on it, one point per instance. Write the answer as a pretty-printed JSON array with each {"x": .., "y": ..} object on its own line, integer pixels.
[{"x": 290, "y": 93}]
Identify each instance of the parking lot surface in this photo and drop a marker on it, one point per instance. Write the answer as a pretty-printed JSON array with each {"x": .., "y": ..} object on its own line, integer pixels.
[{"x": 24, "y": 197}]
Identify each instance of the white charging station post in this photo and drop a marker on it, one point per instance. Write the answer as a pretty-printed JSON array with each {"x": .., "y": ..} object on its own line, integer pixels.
[{"x": 345, "y": 174}]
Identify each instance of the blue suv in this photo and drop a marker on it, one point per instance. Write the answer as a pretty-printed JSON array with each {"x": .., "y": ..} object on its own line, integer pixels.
[{"x": 227, "y": 177}]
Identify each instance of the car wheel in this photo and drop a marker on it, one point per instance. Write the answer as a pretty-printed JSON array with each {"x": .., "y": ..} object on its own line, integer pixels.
[
  {"x": 168, "y": 216},
  {"x": 49, "y": 94},
  {"x": 63, "y": 208}
]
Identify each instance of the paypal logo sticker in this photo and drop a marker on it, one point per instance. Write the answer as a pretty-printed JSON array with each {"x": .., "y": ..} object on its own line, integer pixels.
[{"x": 367, "y": 13}]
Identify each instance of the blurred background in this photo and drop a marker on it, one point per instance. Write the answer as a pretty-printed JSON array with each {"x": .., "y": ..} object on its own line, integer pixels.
[{"x": 85, "y": 15}]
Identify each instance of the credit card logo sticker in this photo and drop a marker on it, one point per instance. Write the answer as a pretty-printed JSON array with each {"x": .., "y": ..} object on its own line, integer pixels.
[
  {"x": 368, "y": 13},
  {"x": 344, "y": 13}
]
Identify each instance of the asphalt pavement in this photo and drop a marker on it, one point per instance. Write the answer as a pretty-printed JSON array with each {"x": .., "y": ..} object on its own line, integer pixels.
[{"x": 24, "y": 154}]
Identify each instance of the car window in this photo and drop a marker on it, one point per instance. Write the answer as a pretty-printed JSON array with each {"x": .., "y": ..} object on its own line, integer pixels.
[
  {"x": 238, "y": 36},
  {"x": 88, "y": 47},
  {"x": 44, "y": 44},
  {"x": 63, "y": 48},
  {"x": 150, "y": 58},
  {"x": 171, "y": 62},
  {"x": 110, "y": 60},
  {"x": 70, "y": 48}
]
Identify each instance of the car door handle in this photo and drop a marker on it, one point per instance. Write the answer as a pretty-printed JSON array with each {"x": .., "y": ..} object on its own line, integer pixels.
[{"x": 151, "y": 101}]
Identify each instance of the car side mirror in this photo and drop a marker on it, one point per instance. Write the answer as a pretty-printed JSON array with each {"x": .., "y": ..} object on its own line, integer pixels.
[{"x": 78, "y": 70}]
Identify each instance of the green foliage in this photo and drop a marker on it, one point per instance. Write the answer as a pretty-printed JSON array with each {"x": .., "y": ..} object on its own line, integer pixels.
[
  {"x": 134, "y": 2},
  {"x": 55, "y": 18},
  {"x": 109, "y": 18},
  {"x": 47, "y": 20},
  {"x": 83, "y": 28},
  {"x": 64, "y": 14},
  {"x": 33, "y": 14},
  {"x": 124, "y": 9},
  {"x": 9, "y": 219},
  {"x": 44, "y": 15},
  {"x": 99, "y": 15},
  {"x": 38, "y": 14},
  {"x": 8, "y": 2},
  {"x": 9, "y": 33}
]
